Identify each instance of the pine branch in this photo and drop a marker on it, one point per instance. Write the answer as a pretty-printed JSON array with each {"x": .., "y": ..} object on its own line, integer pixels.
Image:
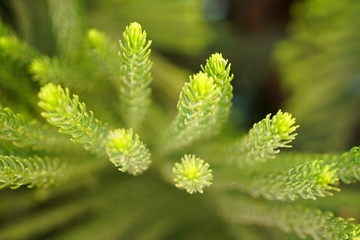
[
  {"x": 103, "y": 53},
  {"x": 192, "y": 174},
  {"x": 265, "y": 138},
  {"x": 290, "y": 159},
  {"x": 196, "y": 104},
  {"x": 219, "y": 69},
  {"x": 15, "y": 51},
  {"x": 309, "y": 180},
  {"x": 136, "y": 76},
  {"x": 81, "y": 76},
  {"x": 302, "y": 221},
  {"x": 16, "y": 128},
  {"x": 127, "y": 152},
  {"x": 349, "y": 166},
  {"x": 45, "y": 70},
  {"x": 67, "y": 28},
  {"x": 71, "y": 117},
  {"x": 197, "y": 101},
  {"x": 16, "y": 172},
  {"x": 15, "y": 57}
]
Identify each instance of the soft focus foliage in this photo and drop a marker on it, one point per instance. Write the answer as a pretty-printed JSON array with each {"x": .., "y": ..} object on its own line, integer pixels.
[
  {"x": 189, "y": 173},
  {"x": 319, "y": 66},
  {"x": 190, "y": 35}
]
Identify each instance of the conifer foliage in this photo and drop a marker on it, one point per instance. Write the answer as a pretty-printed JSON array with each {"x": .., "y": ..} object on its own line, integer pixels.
[{"x": 32, "y": 154}]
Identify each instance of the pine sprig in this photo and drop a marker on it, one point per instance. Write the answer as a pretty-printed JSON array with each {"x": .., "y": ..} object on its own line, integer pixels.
[
  {"x": 349, "y": 166},
  {"x": 197, "y": 100},
  {"x": 312, "y": 179},
  {"x": 303, "y": 221},
  {"x": 103, "y": 53},
  {"x": 34, "y": 171},
  {"x": 309, "y": 180},
  {"x": 219, "y": 69},
  {"x": 135, "y": 75},
  {"x": 192, "y": 174},
  {"x": 16, "y": 128},
  {"x": 45, "y": 70},
  {"x": 265, "y": 138},
  {"x": 16, "y": 51},
  {"x": 67, "y": 28},
  {"x": 127, "y": 152},
  {"x": 196, "y": 104},
  {"x": 15, "y": 58},
  {"x": 71, "y": 117}
]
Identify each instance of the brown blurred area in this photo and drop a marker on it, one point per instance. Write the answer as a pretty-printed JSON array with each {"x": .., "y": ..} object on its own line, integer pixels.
[
  {"x": 259, "y": 16},
  {"x": 259, "y": 24}
]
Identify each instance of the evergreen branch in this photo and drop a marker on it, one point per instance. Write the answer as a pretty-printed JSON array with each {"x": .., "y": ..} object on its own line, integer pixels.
[
  {"x": 136, "y": 76},
  {"x": 80, "y": 76},
  {"x": 15, "y": 57},
  {"x": 16, "y": 128},
  {"x": 16, "y": 172},
  {"x": 192, "y": 174},
  {"x": 127, "y": 152},
  {"x": 265, "y": 138},
  {"x": 289, "y": 159},
  {"x": 103, "y": 53},
  {"x": 197, "y": 101},
  {"x": 196, "y": 104},
  {"x": 349, "y": 166},
  {"x": 219, "y": 69},
  {"x": 71, "y": 117},
  {"x": 15, "y": 51},
  {"x": 45, "y": 70},
  {"x": 309, "y": 180},
  {"x": 312, "y": 179},
  {"x": 302, "y": 221},
  {"x": 67, "y": 28}
]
